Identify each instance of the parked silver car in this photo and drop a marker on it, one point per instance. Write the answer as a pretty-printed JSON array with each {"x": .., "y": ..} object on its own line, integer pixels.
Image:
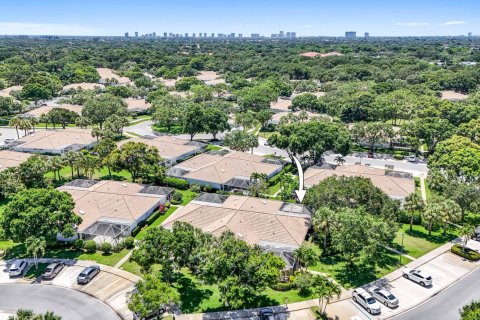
[
  {"x": 363, "y": 298},
  {"x": 88, "y": 274},
  {"x": 17, "y": 268},
  {"x": 383, "y": 296},
  {"x": 418, "y": 276}
]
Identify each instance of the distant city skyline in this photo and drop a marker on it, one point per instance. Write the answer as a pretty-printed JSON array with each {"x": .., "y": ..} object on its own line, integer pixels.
[{"x": 305, "y": 17}]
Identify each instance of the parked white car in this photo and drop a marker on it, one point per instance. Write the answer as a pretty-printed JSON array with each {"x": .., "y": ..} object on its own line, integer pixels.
[
  {"x": 418, "y": 276},
  {"x": 17, "y": 268},
  {"x": 383, "y": 296},
  {"x": 363, "y": 298}
]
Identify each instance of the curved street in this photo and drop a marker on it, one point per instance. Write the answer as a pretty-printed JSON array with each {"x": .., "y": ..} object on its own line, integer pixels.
[
  {"x": 446, "y": 304},
  {"x": 69, "y": 304}
]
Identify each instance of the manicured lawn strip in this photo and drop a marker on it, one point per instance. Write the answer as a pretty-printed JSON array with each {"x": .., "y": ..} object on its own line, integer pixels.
[
  {"x": 100, "y": 174},
  {"x": 156, "y": 223},
  {"x": 132, "y": 267},
  {"x": 352, "y": 277},
  {"x": 34, "y": 273},
  {"x": 188, "y": 196},
  {"x": 417, "y": 243},
  {"x": 266, "y": 134},
  {"x": 212, "y": 147},
  {"x": 274, "y": 189},
  {"x": 111, "y": 259}
]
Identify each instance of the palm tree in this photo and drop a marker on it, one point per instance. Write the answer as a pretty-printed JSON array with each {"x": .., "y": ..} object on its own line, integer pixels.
[
  {"x": 44, "y": 118},
  {"x": 97, "y": 132},
  {"x": 326, "y": 289},
  {"x": 413, "y": 204},
  {"x": 340, "y": 160},
  {"x": 71, "y": 158},
  {"x": 56, "y": 163},
  {"x": 15, "y": 122},
  {"x": 466, "y": 232},
  {"x": 431, "y": 214},
  {"x": 321, "y": 221},
  {"x": 33, "y": 122},
  {"x": 36, "y": 247},
  {"x": 25, "y": 124},
  {"x": 449, "y": 212}
]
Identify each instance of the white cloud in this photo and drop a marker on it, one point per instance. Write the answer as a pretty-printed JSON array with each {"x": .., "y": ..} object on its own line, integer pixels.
[
  {"x": 412, "y": 24},
  {"x": 454, "y": 22},
  {"x": 32, "y": 28}
]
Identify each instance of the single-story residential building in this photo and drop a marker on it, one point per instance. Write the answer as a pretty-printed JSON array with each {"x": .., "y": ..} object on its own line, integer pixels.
[
  {"x": 172, "y": 150},
  {"x": 7, "y": 91},
  {"x": 106, "y": 73},
  {"x": 83, "y": 86},
  {"x": 137, "y": 105},
  {"x": 225, "y": 171},
  {"x": 55, "y": 141},
  {"x": 112, "y": 209},
  {"x": 273, "y": 225},
  {"x": 453, "y": 96},
  {"x": 37, "y": 112},
  {"x": 397, "y": 185},
  {"x": 281, "y": 105},
  {"x": 10, "y": 159},
  {"x": 312, "y": 54},
  {"x": 277, "y": 116}
]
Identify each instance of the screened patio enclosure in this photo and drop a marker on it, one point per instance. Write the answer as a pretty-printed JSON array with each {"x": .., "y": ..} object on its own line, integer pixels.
[{"x": 107, "y": 231}]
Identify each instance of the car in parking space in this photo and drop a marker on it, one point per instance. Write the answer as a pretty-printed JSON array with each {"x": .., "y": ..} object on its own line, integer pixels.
[
  {"x": 363, "y": 298},
  {"x": 411, "y": 158},
  {"x": 418, "y": 276},
  {"x": 266, "y": 314},
  {"x": 17, "y": 268},
  {"x": 383, "y": 296},
  {"x": 88, "y": 274},
  {"x": 52, "y": 270}
]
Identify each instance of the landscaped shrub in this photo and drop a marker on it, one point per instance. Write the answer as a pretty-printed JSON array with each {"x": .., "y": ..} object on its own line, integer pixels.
[
  {"x": 118, "y": 247},
  {"x": 79, "y": 243},
  {"x": 208, "y": 188},
  {"x": 398, "y": 157},
  {"x": 106, "y": 247},
  {"x": 195, "y": 188},
  {"x": 176, "y": 183},
  {"x": 167, "y": 204},
  {"x": 465, "y": 253},
  {"x": 177, "y": 197},
  {"x": 129, "y": 242},
  {"x": 90, "y": 246},
  {"x": 283, "y": 286}
]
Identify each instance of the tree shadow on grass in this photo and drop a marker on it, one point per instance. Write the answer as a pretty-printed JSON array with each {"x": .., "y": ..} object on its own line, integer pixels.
[
  {"x": 191, "y": 295},
  {"x": 434, "y": 238}
]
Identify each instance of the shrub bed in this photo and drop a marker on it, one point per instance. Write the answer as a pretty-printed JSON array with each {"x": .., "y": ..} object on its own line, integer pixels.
[{"x": 465, "y": 253}]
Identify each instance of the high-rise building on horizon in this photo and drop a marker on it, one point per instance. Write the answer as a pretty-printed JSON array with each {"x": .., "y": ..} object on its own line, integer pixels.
[
  {"x": 350, "y": 34},
  {"x": 366, "y": 35},
  {"x": 240, "y": 35},
  {"x": 136, "y": 34},
  {"x": 186, "y": 34},
  {"x": 165, "y": 34},
  {"x": 126, "y": 34},
  {"x": 154, "y": 34},
  {"x": 255, "y": 35}
]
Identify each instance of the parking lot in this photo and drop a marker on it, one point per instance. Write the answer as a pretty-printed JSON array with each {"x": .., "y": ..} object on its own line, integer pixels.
[{"x": 110, "y": 286}]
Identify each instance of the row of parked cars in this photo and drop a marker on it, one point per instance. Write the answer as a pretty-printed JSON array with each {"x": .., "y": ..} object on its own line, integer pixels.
[
  {"x": 372, "y": 298},
  {"x": 18, "y": 267}
]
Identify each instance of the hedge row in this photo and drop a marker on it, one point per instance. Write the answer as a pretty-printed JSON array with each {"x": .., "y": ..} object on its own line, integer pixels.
[
  {"x": 176, "y": 183},
  {"x": 465, "y": 253}
]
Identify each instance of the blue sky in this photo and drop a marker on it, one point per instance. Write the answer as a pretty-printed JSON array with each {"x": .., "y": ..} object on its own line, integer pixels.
[{"x": 306, "y": 17}]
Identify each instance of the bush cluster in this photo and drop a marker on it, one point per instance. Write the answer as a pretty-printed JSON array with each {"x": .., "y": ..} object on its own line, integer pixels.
[{"x": 465, "y": 253}]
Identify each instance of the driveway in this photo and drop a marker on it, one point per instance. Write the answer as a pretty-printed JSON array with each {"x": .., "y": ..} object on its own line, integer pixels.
[
  {"x": 69, "y": 304},
  {"x": 9, "y": 133}
]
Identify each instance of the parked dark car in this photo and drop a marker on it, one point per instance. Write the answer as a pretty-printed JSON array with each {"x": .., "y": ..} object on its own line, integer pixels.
[
  {"x": 52, "y": 270},
  {"x": 155, "y": 314},
  {"x": 266, "y": 314},
  {"x": 88, "y": 274},
  {"x": 476, "y": 234}
]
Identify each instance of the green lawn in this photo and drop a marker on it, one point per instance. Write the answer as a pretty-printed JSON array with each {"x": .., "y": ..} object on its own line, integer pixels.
[
  {"x": 352, "y": 277},
  {"x": 132, "y": 267},
  {"x": 417, "y": 242},
  {"x": 155, "y": 223},
  {"x": 100, "y": 174},
  {"x": 18, "y": 251},
  {"x": 213, "y": 147},
  {"x": 34, "y": 273},
  {"x": 274, "y": 189},
  {"x": 266, "y": 134},
  {"x": 188, "y": 196}
]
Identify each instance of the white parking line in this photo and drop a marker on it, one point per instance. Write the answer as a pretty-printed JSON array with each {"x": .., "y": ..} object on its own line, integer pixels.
[
  {"x": 98, "y": 276},
  {"x": 365, "y": 313}
]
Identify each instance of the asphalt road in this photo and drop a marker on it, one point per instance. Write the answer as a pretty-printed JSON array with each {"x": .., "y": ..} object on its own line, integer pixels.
[
  {"x": 446, "y": 304},
  {"x": 68, "y": 304}
]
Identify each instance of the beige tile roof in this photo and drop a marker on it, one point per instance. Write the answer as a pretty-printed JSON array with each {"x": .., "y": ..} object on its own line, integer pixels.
[
  {"x": 83, "y": 86},
  {"x": 207, "y": 76},
  {"x": 317, "y": 94},
  {"x": 108, "y": 73},
  {"x": 168, "y": 82},
  {"x": 321, "y": 55},
  {"x": 111, "y": 200},
  {"x": 37, "y": 112},
  {"x": 218, "y": 169},
  {"x": 255, "y": 220},
  {"x": 277, "y": 116},
  {"x": 453, "y": 96},
  {"x": 168, "y": 147},
  {"x": 137, "y": 104},
  {"x": 56, "y": 139},
  {"x": 182, "y": 94},
  {"x": 393, "y": 186},
  {"x": 281, "y": 104},
  {"x": 6, "y": 92},
  {"x": 12, "y": 158}
]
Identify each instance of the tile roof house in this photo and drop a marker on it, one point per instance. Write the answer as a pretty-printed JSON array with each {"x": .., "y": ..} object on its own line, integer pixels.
[
  {"x": 106, "y": 73},
  {"x": 83, "y": 86},
  {"x": 37, "y": 112},
  {"x": 273, "y": 225},
  {"x": 55, "y": 141},
  {"x": 397, "y": 185},
  {"x": 224, "y": 171},
  {"x": 111, "y": 209},
  {"x": 7, "y": 91},
  {"x": 137, "y": 105},
  {"x": 10, "y": 159},
  {"x": 453, "y": 96},
  {"x": 172, "y": 150}
]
